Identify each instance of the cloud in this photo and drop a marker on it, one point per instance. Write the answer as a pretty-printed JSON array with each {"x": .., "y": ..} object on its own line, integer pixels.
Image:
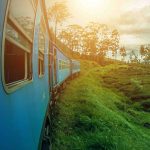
[
  {"x": 136, "y": 29},
  {"x": 135, "y": 22},
  {"x": 127, "y": 18},
  {"x": 134, "y": 26}
]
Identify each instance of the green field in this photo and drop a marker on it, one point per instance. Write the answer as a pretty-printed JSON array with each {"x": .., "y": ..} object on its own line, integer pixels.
[{"x": 104, "y": 108}]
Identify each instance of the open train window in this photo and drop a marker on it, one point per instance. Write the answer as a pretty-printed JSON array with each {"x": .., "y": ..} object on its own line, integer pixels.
[
  {"x": 41, "y": 45},
  {"x": 18, "y": 42}
]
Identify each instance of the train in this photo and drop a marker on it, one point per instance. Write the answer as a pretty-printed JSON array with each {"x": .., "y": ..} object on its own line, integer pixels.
[{"x": 33, "y": 70}]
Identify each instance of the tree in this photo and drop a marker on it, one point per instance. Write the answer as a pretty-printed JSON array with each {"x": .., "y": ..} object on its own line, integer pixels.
[
  {"x": 93, "y": 40},
  {"x": 133, "y": 57},
  {"x": 57, "y": 14},
  {"x": 142, "y": 51},
  {"x": 96, "y": 39},
  {"x": 114, "y": 41},
  {"x": 71, "y": 36},
  {"x": 123, "y": 52},
  {"x": 145, "y": 53}
]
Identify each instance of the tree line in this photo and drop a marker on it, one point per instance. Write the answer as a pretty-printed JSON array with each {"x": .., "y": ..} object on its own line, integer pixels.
[
  {"x": 144, "y": 54},
  {"x": 92, "y": 41}
]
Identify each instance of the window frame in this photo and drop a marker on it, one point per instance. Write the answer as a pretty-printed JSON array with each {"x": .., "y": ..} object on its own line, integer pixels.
[
  {"x": 41, "y": 64},
  {"x": 55, "y": 65},
  {"x": 50, "y": 66},
  {"x": 63, "y": 64},
  {"x": 13, "y": 86},
  {"x": 42, "y": 26}
]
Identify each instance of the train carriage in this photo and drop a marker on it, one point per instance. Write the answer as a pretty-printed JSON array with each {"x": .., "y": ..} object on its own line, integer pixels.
[
  {"x": 75, "y": 66},
  {"x": 63, "y": 65},
  {"x": 31, "y": 66},
  {"x": 24, "y": 90}
]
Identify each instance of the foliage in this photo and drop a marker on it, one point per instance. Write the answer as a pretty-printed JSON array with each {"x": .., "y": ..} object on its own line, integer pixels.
[
  {"x": 57, "y": 13},
  {"x": 94, "y": 39},
  {"x": 90, "y": 116},
  {"x": 145, "y": 53},
  {"x": 133, "y": 57},
  {"x": 72, "y": 37},
  {"x": 123, "y": 52}
]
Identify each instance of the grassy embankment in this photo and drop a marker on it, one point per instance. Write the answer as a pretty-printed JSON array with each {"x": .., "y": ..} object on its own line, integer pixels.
[{"x": 105, "y": 108}]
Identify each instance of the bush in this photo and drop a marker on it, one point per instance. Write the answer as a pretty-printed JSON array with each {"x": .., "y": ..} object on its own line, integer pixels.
[
  {"x": 137, "y": 87},
  {"x": 146, "y": 105}
]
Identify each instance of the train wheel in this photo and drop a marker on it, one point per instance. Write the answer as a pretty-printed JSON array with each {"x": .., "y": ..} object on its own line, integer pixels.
[{"x": 46, "y": 142}]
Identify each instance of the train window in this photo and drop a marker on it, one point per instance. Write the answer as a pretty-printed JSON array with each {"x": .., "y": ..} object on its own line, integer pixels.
[
  {"x": 63, "y": 64},
  {"x": 18, "y": 42},
  {"x": 60, "y": 64},
  {"x": 41, "y": 64},
  {"x": 41, "y": 45},
  {"x": 21, "y": 13}
]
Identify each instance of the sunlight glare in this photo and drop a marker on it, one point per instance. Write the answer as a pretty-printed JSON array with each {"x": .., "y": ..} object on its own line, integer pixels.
[
  {"x": 89, "y": 9},
  {"x": 93, "y": 3}
]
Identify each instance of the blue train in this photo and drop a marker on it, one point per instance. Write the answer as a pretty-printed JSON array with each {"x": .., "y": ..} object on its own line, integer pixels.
[{"x": 32, "y": 70}]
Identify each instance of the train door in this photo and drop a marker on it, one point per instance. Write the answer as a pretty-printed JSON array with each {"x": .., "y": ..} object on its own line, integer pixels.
[
  {"x": 55, "y": 65},
  {"x": 50, "y": 68}
]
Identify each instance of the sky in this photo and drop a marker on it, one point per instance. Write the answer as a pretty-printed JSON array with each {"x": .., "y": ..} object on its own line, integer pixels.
[{"x": 130, "y": 17}]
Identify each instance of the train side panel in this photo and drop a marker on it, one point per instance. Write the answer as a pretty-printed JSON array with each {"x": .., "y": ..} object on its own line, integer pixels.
[
  {"x": 75, "y": 66},
  {"x": 23, "y": 108},
  {"x": 64, "y": 66},
  {"x": 22, "y": 111}
]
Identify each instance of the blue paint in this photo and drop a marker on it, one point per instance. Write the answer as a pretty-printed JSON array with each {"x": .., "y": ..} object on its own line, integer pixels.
[
  {"x": 23, "y": 111},
  {"x": 75, "y": 66},
  {"x": 64, "y": 73}
]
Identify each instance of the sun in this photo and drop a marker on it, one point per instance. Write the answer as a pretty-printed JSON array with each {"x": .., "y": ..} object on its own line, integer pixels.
[
  {"x": 85, "y": 11},
  {"x": 92, "y": 4}
]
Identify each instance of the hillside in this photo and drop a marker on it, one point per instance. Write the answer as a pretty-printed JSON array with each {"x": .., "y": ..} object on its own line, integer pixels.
[{"x": 97, "y": 110}]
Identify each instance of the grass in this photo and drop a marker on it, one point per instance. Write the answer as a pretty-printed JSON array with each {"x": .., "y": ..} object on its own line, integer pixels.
[
  {"x": 91, "y": 114},
  {"x": 133, "y": 81}
]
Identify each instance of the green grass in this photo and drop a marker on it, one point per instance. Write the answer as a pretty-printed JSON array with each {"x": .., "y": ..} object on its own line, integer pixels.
[
  {"x": 92, "y": 115},
  {"x": 133, "y": 81}
]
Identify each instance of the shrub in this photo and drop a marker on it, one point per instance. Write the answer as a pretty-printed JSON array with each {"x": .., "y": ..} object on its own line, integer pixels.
[{"x": 136, "y": 85}]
